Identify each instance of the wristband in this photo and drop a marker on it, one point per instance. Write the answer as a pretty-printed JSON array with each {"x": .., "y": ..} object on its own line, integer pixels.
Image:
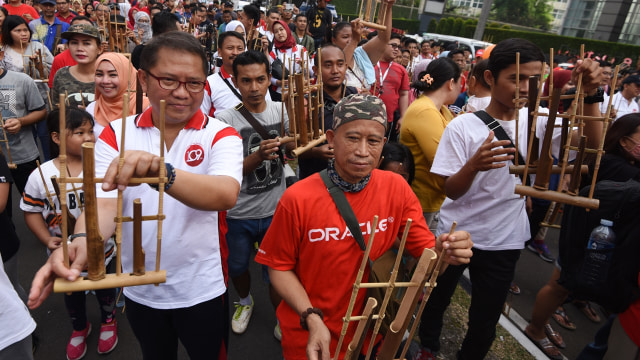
[
  {"x": 171, "y": 178},
  {"x": 73, "y": 236},
  {"x": 598, "y": 97},
  {"x": 306, "y": 313}
]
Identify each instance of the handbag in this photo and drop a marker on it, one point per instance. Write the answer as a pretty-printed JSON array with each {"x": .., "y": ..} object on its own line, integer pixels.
[{"x": 379, "y": 270}]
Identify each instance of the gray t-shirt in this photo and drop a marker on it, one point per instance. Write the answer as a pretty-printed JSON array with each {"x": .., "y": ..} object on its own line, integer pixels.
[
  {"x": 78, "y": 93},
  {"x": 260, "y": 190},
  {"x": 18, "y": 97}
]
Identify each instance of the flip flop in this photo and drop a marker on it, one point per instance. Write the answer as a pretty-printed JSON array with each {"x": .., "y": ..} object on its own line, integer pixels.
[
  {"x": 554, "y": 336},
  {"x": 587, "y": 310},
  {"x": 514, "y": 289},
  {"x": 547, "y": 347},
  {"x": 560, "y": 316}
]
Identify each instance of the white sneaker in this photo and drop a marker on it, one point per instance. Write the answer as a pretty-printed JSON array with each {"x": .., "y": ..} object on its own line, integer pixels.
[
  {"x": 277, "y": 333},
  {"x": 241, "y": 317}
]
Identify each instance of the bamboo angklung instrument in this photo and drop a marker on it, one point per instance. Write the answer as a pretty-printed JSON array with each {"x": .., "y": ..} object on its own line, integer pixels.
[
  {"x": 138, "y": 251},
  {"x": 545, "y": 160},
  {"x": 95, "y": 245},
  {"x": 5, "y": 140},
  {"x": 62, "y": 158}
]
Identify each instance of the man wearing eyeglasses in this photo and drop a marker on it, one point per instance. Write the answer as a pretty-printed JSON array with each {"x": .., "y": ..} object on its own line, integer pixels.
[
  {"x": 392, "y": 86},
  {"x": 203, "y": 162},
  {"x": 64, "y": 13}
]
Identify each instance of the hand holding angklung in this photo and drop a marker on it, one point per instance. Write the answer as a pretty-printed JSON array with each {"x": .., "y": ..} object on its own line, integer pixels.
[
  {"x": 491, "y": 154},
  {"x": 136, "y": 164}
]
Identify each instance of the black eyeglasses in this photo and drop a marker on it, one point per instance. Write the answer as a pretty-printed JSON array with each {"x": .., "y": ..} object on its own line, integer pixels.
[
  {"x": 166, "y": 83},
  {"x": 395, "y": 46}
]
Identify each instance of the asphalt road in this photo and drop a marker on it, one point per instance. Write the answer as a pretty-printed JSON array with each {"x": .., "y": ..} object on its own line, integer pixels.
[{"x": 54, "y": 327}]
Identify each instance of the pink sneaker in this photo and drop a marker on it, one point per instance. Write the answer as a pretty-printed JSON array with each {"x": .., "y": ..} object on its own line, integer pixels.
[
  {"x": 108, "y": 337},
  {"x": 77, "y": 347}
]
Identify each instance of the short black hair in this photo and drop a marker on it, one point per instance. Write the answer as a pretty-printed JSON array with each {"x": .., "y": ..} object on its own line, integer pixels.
[
  {"x": 11, "y": 22},
  {"x": 273, "y": 10},
  {"x": 478, "y": 71},
  {"x": 164, "y": 22},
  {"x": 503, "y": 54},
  {"x": 226, "y": 12},
  {"x": 455, "y": 52},
  {"x": 249, "y": 58},
  {"x": 176, "y": 41},
  {"x": 227, "y": 34},
  {"x": 396, "y": 36},
  {"x": 409, "y": 40},
  {"x": 253, "y": 13},
  {"x": 393, "y": 151},
  {"x": 425, "y": 42},
  {"x": 200, "y": 7},
  {"x": 406, "y": 51},
  {"x": 74, "y": 119},
  {"x": 300, "y": 15},
  {"x": 327, "y": 46}
]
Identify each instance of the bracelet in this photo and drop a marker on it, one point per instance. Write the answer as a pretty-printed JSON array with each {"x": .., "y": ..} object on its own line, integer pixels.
[
  {"x": 598, "y": 97},
  {"x": 171, "y": 178},
  {"x": 306, "y": 313},
  {"x": 73, "y": 236}
]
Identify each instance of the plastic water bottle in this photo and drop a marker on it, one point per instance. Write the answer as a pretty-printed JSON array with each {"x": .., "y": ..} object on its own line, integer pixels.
[{"x": 599, "y": 253}]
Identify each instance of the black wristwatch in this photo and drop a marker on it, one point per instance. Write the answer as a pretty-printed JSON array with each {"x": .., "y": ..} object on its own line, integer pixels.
[{"x": 598, "y": 97}]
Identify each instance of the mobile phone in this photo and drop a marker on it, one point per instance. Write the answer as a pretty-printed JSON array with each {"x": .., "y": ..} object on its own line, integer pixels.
[{"x": 288, "y": 7}]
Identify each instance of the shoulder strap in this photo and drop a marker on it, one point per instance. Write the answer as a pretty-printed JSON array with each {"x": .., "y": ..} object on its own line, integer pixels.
[
  {"x": 345, "y": 209},
  {"x": 497, "y": 129},
  {"x": 233, "y": 90}
]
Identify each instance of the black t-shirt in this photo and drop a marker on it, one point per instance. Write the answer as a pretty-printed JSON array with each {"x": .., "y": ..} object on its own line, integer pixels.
[
  {"x": 9, "y": 242},
  {"x": 616, "y": 168},
  {"x": 318, "y": 20}
]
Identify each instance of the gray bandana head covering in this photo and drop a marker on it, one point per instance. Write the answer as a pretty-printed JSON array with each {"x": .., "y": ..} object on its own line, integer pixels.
[{"x": 359, "y": 107}]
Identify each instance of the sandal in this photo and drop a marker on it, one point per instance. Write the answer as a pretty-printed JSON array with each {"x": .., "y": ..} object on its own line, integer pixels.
[
  {"x": 514, "y": 289},
  {"x": 554, "y": 336},
  {"x": 562, "y": 319},
  {"x": 547, "y": 347},
  {"x": 587, "y": 310}
]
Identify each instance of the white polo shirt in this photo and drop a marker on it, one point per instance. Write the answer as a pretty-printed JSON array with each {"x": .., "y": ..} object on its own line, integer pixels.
[
  {"x": 191, "y": 252},
  {"x": 623, "y": 106}
]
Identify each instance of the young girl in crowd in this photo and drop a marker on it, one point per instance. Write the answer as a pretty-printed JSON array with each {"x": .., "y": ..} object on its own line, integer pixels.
[
  {"x": 20, "y": 55},
  {"x": 422, "y": 128},
  {"x": 113, "y": 76},
  {"x": 40, "y": 205},
  {"x": 77, "y": 81},
  {"x": 284, "y": 49}
]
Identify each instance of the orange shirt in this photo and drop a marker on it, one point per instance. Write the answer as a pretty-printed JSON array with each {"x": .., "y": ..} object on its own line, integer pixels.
[
  {"x": 309, "y": 236},
  {"x": 21, "y": 10}
]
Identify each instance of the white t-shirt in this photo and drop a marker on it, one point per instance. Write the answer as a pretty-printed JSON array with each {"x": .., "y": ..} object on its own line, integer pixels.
[
  {"x": 16, "y": 321},
  {"x": 623, "y": 106},
  {"x": 190, "y": 238},
  {"x": 490, "y": 210},
  {"x": 476, "y": 103}
]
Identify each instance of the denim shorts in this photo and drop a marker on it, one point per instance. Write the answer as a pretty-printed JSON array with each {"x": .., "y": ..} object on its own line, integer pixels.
[{"x": 242, "y": 234}]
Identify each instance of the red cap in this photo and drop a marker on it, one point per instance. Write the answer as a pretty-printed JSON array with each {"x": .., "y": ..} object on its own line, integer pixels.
[{"x": 479, "y": 52}]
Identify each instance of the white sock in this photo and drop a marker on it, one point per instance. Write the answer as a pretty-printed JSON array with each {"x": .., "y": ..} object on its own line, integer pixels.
[{"x": 245, "y": 301}]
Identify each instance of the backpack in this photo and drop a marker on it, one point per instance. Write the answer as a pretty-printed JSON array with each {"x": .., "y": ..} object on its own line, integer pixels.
[{"x": 619, "y": 202}]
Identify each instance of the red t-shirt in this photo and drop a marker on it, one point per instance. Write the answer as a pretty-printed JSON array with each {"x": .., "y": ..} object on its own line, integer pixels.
[
  {"x": 630, "y": 320},
  {"x": 66, "y": 19},
  {"x": 61, "y": 60},
  {"x": 309, "y": 237},
  {"x": 389, "y": 85},
  {"x": 21, "y": 10}
]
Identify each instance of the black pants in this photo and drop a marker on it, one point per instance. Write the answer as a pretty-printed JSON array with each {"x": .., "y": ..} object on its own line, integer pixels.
[
  {"x": 201, "y": 328},
  {"x": 76, "y": 304},
  {"x": 491, "y": 274},
  {"x": 20, "y": 176}
]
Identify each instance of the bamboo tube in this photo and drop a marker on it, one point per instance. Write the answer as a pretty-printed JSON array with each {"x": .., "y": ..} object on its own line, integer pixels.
[
  {"x": 62, "y": 158},
  {"x": 300, "y": 112},
  {"x": 110, "y": 281},
  {"x": 584, "y": 169},
  {"x": 545, "y": 162},
  {"x": 46, "y": 188},
  {"x": 353, "y": 349},
  {"x": 138, "y": 251},
  {"x": 321, "y": 92},
  {"x": 574, "y": 186},
  {"x": 588, "y": 203},
  {"x": 95, "y": 243},
  {"x": 532, "y": 145},
  {"x": 299, "y": 150},
  {"x": 119, "y": 200},
  {"x": 163, "y": 179},
  {"x": 356, "y": 286}
]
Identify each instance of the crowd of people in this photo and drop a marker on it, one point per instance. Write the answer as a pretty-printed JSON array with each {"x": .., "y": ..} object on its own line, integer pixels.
[{"x": 413, "y": 131}]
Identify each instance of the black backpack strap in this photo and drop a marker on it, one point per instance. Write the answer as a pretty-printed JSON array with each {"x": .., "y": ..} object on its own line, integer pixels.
[
  {"x": 497, "y": 129},
  {"x": 345, "y": 209},
  {"x": 233, "y": 90}
]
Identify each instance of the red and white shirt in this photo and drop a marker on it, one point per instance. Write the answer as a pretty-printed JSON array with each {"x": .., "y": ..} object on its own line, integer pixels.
[
  {"x": 291, "y": 54},
  {"x": 219, "y": 96},
  {"x": 191, "y": 252}
]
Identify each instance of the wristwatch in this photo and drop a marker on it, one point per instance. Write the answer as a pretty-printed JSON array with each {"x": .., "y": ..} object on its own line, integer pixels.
[{"x": 598, "y": 97}]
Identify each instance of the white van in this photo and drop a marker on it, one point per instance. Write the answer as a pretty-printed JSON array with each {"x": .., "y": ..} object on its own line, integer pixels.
[{"x": 463, "y": 43}]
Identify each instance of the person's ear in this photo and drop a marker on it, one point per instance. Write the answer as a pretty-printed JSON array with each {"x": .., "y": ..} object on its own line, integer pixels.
[
  {"x": 55, "y": 137},
  {"x": 488, "y": 77},
  {"x": 143, "y": 78},
  {"x": 331, "y": 135}
]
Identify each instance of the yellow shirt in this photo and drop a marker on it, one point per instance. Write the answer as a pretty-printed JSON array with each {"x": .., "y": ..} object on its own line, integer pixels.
[{"x": 421, "y": 130}]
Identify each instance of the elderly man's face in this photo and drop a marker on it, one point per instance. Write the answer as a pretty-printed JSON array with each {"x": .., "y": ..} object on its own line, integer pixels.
[{"x": 357, "y": 147}]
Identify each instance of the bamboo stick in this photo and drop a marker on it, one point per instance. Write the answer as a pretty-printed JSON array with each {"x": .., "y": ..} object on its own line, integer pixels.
[
  {"x": 138, "y": 251},
  {"x": 584, "y": 202},
  {"x": 163, "y": 179},
  {"x": 6, "y": 142},
  {"x": 95, "y": 243},
  {"x": 110, "y": 281},
  {"x": 62, "y": 158}
]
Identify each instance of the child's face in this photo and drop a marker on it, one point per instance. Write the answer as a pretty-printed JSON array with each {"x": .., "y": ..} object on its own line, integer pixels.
[
  {"x": 503, "y": 89},
  {"x": 78, "y": 136}
]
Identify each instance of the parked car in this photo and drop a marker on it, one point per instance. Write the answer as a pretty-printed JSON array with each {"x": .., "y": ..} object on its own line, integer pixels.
[{"x": 463, "y": 43}]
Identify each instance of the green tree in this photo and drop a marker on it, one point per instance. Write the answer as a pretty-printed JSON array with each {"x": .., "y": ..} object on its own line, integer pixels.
[
  {"x": 457, "y": 27},
  {"x": 532, "y": 13},
  {"x": 433, "y": 26},
  {"x": 441, "y": 25}
]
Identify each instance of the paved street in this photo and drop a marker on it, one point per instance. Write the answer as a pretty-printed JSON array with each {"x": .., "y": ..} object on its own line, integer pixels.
[{"x": 258, "y": 342}]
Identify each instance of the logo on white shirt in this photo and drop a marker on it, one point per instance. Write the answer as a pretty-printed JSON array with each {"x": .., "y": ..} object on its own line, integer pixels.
[{"x": 194, "y": 155}]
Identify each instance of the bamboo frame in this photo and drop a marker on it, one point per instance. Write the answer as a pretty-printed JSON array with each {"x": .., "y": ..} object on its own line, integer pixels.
[
  {"x": 422, "y": 283},
  {"x": 367, "y": 14},
  {"x": 96, "y": 278},
  {"x": 573, "y": 120},
  {"x": 304, "y": 103},
  {"x": 5, "y": 140}
]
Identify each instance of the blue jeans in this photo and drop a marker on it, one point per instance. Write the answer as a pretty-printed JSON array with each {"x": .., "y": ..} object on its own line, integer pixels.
[{"x": 241, "y": 237}]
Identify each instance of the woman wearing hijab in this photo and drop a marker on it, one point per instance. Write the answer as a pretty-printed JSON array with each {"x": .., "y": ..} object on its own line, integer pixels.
[
  {"x": 236, "y": 26},
  {"x": 142, "y": 28},
  {"x": 113, "y": 73},
  {"x": 285, "y": 49}
]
